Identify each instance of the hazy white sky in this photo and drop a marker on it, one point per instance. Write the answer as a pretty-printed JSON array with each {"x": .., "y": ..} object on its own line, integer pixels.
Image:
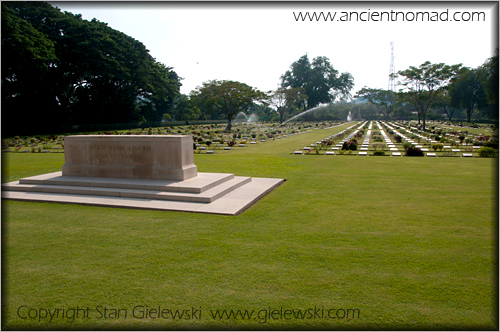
[{"x": 256, "y": 43}]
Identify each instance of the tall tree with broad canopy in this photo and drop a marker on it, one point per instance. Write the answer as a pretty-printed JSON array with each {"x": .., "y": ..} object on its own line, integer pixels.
[
  {"x": 384, "y": 99},
  {"x": 320, "y": 81},
  {"x": 425, "y": 82},
  {"x": 63, "y": 70},
  {"x": 229, "y": 96},
  {"x": 467, "y": 90}
]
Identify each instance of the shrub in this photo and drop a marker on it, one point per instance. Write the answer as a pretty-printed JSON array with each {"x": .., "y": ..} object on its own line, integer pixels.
[
  {"x": 437, "y": 146},
  {"x": 486, "y": 152},
  {"x": 483, "y": 138},
  {"x": 414, "y": 152},
  {"x": 231, "y": 143},
  {"x": 407, "y": 145},
  {"x": 398, "y": 139},
  {"x": 379, "y": 153},
  {"x": 491, "y": 144},
  {"x": 379, "y": 145}
]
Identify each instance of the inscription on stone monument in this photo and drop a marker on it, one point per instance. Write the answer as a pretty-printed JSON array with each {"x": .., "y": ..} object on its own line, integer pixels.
[
  {"x": 121, "y": 154},
  {"x": 130, "y": 156}
]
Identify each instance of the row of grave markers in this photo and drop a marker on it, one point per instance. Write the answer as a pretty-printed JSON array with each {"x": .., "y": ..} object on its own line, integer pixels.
[
  {"x": 253, "y": 141},
  {"x": 429, "y": 140},
  {"x": 337, "y": 146},
  {"x": 392, "y": 147}
]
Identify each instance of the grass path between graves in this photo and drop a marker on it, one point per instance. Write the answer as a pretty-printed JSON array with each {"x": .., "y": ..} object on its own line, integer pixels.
[{"x": 376, "y": 242}]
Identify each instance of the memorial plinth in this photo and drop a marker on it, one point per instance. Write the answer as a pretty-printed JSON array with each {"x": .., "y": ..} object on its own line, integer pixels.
[
  {"x": 140, "y": 172},
  {"x": 130, "y": 156}
]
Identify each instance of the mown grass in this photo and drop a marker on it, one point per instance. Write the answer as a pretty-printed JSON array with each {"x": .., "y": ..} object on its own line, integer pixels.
[{"x": 410, "y": 242}]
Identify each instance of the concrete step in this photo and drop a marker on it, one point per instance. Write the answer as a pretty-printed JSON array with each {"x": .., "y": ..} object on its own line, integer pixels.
[
  {"x": 224, "y": 186},
  {"x": 233, "y": 203},
  {"x": 199, "y": 184}
]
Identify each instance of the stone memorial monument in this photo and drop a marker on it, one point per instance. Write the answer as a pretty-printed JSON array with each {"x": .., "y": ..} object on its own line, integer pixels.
[
  {"x": 130, "y": 156},
  {"x": 143, "y": 172}
]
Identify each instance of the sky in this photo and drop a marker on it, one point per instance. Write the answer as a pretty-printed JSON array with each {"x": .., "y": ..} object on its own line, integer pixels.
[{"x": 256, "y": 43}]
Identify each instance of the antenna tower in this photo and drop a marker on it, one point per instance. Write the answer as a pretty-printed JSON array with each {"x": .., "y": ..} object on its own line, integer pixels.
[{"x": 392, "y": 71}]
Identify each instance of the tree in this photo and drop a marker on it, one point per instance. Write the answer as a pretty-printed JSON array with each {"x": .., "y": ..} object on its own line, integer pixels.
[
  {"x": 229, "y": 96},
  {"x": 490, "y": 82},
  {"x": 383, "y": 99},
  {"x": 27, "y": 55},
  {"x": 60, "y": 67},
  {"x": 425, "y": 82},
  {"x": 286, "y": 100},
  {"x": 443, "y": 101},
  {"x": 185, "y": 109},
  {"x": 320, "y": 81},
  {"x": 468, "y": 91}
]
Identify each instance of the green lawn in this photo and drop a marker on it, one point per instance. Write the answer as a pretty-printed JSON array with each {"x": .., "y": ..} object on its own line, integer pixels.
[{"x": 408, "y": 243}]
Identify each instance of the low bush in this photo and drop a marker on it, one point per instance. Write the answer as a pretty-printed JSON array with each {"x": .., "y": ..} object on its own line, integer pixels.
[
  {"x": 350, "y": 145},
  {"x": 437, "y": 146},
  {"x": 379, "y": 153},
  {"x": 486, "y": 152},
  {"x": 407, "y": 145},
  {"x": 414, "y": 152},
  {"x": 491, "y": 144}
]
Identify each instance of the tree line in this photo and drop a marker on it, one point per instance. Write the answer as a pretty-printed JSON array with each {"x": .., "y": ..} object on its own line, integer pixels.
[
  {"x": 58, "y": 69},
  {"x": 448, "y": 89}
]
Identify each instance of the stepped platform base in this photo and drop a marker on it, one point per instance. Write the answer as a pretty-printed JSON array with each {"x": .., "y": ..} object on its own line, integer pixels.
[{"x": 217, "y": 193}]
